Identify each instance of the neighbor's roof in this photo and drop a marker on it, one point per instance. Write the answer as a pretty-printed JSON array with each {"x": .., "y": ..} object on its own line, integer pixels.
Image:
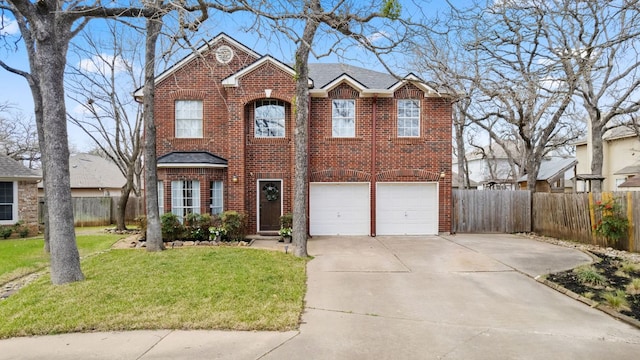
[
  {"x": 621, "y": 132},
  {"x": 191, "y": 159},
  {"x": 92, "y": 171},
  {"x": 551, "y": 169},
  {"x": 633, "y": 181},
  {"x": 13, "y": 170},
  {"x": 631, "y": 169}
]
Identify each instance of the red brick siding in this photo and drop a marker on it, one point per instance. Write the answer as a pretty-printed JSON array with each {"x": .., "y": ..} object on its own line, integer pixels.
[{"x": 228, "y": 132}]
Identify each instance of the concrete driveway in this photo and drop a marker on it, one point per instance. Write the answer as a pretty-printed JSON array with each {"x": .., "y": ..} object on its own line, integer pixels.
[{"x": 451, "y": 297}]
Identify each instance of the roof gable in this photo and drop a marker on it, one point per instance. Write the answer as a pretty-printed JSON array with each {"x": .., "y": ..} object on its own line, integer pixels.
[
  {"x": 208, "y": 46},
  {"x": 13, "y": 170},
  {"x": 233, "y": 80}
]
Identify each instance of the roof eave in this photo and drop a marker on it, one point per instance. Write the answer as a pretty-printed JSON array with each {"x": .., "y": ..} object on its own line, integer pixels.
[{"x": 192, "y": 165}]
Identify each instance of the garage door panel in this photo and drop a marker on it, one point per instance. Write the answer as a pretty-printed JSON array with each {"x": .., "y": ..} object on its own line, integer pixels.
[
  {"x": 339, "y": 209},
  {"x": 407, "y": 208}
]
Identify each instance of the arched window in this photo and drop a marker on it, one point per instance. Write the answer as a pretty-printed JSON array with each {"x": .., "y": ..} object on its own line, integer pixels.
[{"x": 269, "y": 119}]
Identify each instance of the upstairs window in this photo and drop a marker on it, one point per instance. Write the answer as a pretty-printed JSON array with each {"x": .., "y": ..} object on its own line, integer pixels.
[
  {"x": 188, "y": 119},
  {"x": 269, "y": 119},
  {"x": 343, "y": 118},
  {"x": 408, "y": 118},
  {"x": 8, "y": 202}
]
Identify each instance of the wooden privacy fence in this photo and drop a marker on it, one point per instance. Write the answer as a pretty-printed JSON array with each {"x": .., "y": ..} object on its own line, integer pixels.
[
  {"x": 571, "y": 217},
  {"x": 491, "y": 211},
  {"x": 98, "y": 211},
  {"x": 564, "y": 216}
]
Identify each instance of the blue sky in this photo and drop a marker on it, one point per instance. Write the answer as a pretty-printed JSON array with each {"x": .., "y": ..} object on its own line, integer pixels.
[{"x": 14, "y": 89}]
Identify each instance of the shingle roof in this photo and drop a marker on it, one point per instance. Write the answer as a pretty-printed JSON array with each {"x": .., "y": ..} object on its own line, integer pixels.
[
  {"x": 92, "y": 171},
  {"x": 323, "y": 74},
  {"x": 633, "y": 181},
  {"x": 11, "y": 169},
  {"x": 191, "y": 157},
  {"x": 549, "y": 169},
  {"x": 631, "y": 169}
]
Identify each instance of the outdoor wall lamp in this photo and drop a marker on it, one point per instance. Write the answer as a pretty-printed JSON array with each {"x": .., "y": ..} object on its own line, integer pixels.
[
  {"x": 234, "y": 178},
  {"x": 442, "y": 174}
]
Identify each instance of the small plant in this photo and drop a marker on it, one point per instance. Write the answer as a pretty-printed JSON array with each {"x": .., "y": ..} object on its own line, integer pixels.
[
  {"x": 589, "y": 295},
  {"x": 285, "y": 232},
  {"x": 617, "y": 300},
  {"x": 613, "y": 224},
  {"x": 286, "y": 221},
  {"x": 196, "y": 226},
  {"x": 217, "y": 233},
  {"x": 6, "y": 231},
  {"x": 589, "y": 275},
  {"x": 20, "y": 229},
  {"x": 634, "y": 286},
  {"x": 629, "y": 267}
]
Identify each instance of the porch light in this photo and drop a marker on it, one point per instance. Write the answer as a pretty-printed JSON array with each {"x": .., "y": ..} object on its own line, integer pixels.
[
  {"x": 442, "y": 174},
  {"x": 234, "y": 178}
]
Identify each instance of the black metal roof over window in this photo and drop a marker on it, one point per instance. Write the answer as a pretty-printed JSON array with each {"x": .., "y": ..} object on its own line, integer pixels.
[{"x": 193, "y": 158}]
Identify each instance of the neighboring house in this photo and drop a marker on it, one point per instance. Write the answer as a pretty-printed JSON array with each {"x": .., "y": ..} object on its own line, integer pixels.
[
  {"x": 621, "y": 152},
  {"x": 92, "y": 176},
  {"x": 554, "y": 175},
  {"x": 18, "y": 194},
  {"x": 489, "y": 167},
  {"x": 379, "y": 148},
  {"x": 456, "y": 184}
]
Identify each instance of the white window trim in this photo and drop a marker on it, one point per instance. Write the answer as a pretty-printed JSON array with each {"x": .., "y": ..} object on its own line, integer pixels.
[
  {"x": 398, "y": 118},
  {"x": 176, "y": 194},
  {"x": 160, "y": 197},
  {"x": 14, "y": 206},
  {"x": 201, "y": 129},
  {"x": 284, "y": 119},
  {"x": 221, "y": 197},
  {"x": 334, "y": 118}
]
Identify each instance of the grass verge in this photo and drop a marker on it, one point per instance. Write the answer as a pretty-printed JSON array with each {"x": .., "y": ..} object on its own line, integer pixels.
[
  {"x": 196, "y": 288},
  {"x": 19, "y": 257}
]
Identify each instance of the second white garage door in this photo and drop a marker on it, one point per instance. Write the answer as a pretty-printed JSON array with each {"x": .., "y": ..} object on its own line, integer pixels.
[
  {"x": 339, "y": 209},
  {"x": 407, "y": 209}
]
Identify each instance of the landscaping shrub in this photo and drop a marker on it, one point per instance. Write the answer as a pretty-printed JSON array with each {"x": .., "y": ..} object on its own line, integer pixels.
[
  {"x": 6, "y": 231},
  {"x": 613, "y": 224},
  {"x": 196, "y": 226},
  {"x": 171, "y": 227},
  {"x": 235, "y": 224}
]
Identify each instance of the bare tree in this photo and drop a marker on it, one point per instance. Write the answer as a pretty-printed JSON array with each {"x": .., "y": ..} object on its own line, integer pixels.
[
  {"x": 521, "y": 89},
  {"x": 46, "y": 28},
  {"x": 601, "y": 39},
  {"x": 344, "y": 20},
  {"x": 100, "y": 84},
  {"x": 19, "y": 138}
]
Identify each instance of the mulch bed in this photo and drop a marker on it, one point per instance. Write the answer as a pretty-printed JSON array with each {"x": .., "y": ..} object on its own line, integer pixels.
[{"x": 609, "y": 266}]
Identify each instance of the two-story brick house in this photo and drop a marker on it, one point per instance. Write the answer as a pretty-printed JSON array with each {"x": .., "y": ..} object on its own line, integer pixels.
[{"x": 379, "y": 149}]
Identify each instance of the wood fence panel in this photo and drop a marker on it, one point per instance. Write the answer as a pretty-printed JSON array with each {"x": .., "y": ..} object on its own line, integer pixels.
[
  {"x": 491, "y": 211},
  {"x": 568, "y": 216},
  {"x": 92, "y": 211},
  {"x": 135, "y": 208}
]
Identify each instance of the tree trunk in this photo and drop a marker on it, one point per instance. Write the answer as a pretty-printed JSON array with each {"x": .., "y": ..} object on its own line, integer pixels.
[
  {"x": 121, "y": 213},
  {"x": 460, "y": 149},
  {"x": 597, "y": 155},
  {"x": 154, "y": 232},
  {"x": 50, "y": 60},
  {"x": 301, "y": 138}
]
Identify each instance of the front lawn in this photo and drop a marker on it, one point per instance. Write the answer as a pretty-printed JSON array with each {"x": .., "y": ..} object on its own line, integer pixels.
[
  {"x": 194, "y": 288},
  {"x": 19, "y": 257}
]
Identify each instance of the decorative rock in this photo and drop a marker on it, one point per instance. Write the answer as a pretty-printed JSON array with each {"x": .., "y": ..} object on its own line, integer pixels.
[
  {"x": 189, "y": 243},
  {"x": 178, "y": 243}
]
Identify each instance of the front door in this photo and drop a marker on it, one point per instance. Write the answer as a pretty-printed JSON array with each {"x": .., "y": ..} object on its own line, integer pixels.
[{"x": 269, "y": 205}]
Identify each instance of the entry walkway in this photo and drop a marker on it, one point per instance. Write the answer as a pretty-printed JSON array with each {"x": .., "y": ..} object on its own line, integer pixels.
[{"x": 452, "y": 297}]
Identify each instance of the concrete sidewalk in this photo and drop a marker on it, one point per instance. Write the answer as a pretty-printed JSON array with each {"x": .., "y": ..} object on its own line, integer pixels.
[{"x": 453, "y": 297}]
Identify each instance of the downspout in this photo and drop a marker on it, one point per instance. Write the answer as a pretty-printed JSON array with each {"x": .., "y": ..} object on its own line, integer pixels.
[
  {"x": 373, "y": 164},
  {"x": 308, "y": 163}
]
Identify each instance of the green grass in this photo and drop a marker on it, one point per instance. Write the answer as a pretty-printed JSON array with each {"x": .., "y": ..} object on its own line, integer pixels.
[
  {"x": 194, "y": 288},
  {"x": 19, "y": 257}
]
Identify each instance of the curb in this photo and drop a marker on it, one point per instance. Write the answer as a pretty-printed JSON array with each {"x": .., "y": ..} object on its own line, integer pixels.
[{"x": 594, "y": 304}]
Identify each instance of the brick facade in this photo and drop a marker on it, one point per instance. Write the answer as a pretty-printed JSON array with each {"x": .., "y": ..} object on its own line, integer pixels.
[{"x": 375, "y": 154}]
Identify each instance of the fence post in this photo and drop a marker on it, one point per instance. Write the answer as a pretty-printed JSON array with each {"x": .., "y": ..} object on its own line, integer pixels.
[{"x": 631, "y": 229}]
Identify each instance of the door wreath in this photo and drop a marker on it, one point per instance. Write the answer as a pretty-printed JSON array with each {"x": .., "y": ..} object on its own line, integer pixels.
[{"x": 271, "y": 192}]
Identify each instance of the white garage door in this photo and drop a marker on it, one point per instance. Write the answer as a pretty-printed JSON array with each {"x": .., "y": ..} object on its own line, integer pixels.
[
  {"x": 339, "y": 209},
  {"x": 407, "y": 208}
]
